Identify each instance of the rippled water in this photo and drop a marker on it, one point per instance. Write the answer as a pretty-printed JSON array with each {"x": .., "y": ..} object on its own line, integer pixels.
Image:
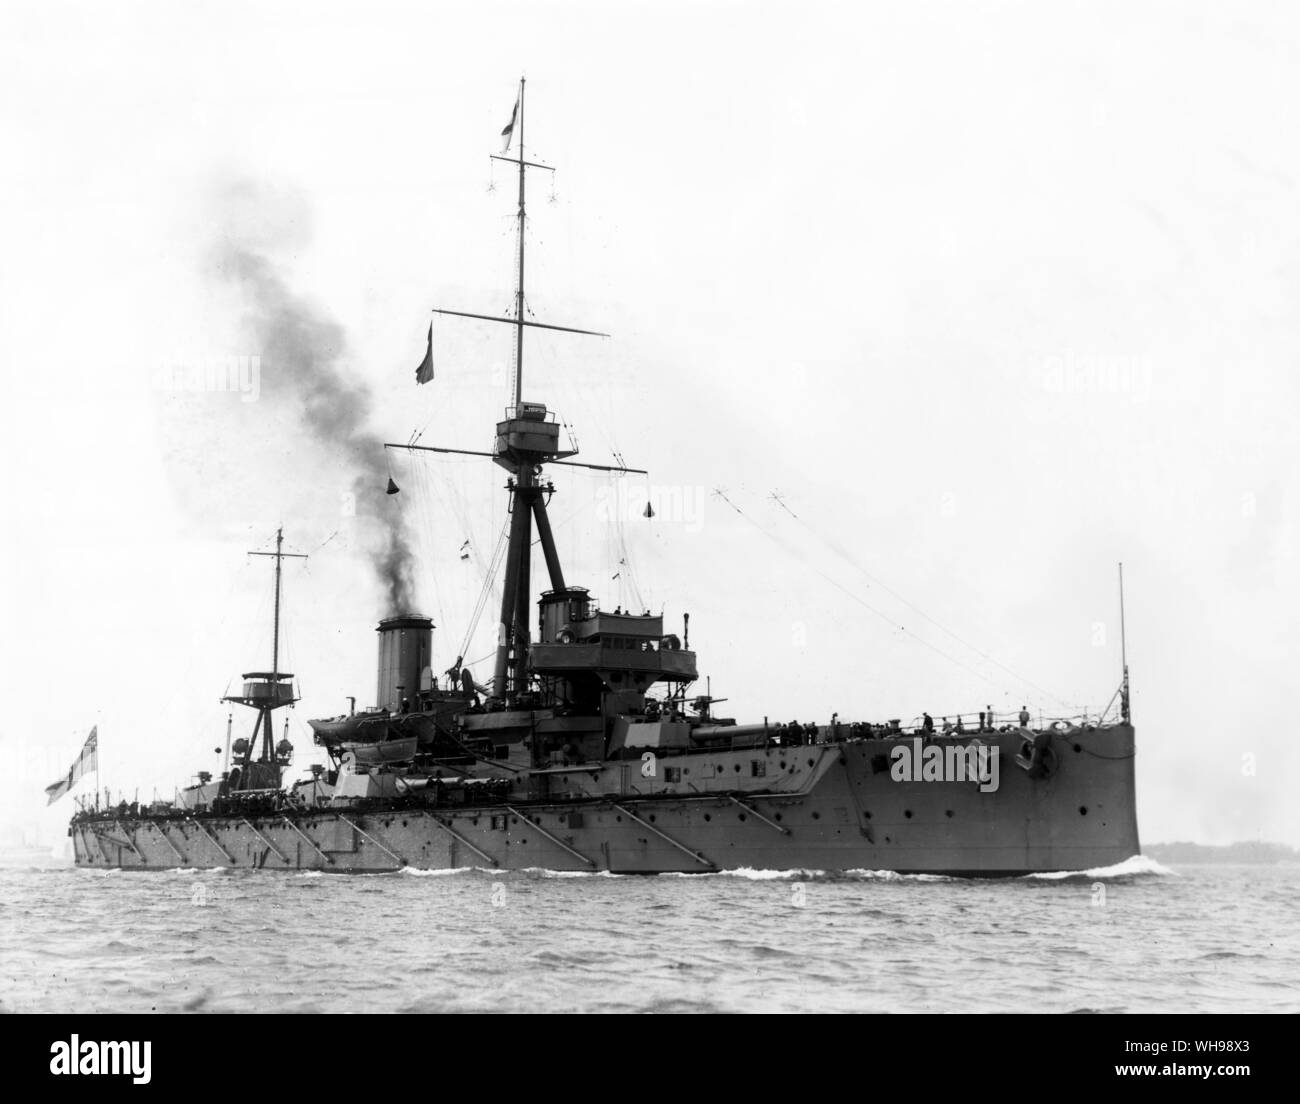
[{"x": 1136, "y": 937}]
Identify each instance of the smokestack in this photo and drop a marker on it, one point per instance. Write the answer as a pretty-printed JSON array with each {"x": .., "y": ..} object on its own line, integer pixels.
[{"x": 405, "y": 650}]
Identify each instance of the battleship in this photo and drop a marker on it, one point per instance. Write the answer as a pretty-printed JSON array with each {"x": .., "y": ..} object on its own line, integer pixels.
[{"x": 590, "y": 747}]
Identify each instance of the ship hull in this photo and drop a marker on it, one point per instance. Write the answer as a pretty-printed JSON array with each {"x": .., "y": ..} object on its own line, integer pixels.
[{"x": 843, "y": 808}]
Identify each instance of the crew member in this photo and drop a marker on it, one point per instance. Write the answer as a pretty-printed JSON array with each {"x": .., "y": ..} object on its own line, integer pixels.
[
  {"x": 1024, "y": 716},
  {"x": 467, "y": 686},
  {"x": 927, "y": 723}
]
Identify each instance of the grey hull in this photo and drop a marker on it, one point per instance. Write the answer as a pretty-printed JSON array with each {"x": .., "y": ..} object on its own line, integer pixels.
[{"x": 829, "y": 807}]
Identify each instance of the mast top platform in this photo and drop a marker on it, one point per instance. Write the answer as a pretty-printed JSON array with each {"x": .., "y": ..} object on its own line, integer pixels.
[
  {"x": 528, "y": 436},
  {"x": 265, "y": 690}
]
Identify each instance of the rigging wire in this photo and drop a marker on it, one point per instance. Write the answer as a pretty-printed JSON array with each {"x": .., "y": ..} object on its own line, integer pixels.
[
  {"x": 485, "y": 593},
  {"x": 834, "y": 547},
  {"x": 427, "y": 523},
  {"x": 839, "y": 586}
]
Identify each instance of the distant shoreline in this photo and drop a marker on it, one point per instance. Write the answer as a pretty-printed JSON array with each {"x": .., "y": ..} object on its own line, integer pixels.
[{"x": 1242, "y": 852}]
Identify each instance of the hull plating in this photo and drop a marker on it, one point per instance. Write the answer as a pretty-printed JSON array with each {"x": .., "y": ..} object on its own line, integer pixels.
[{"x": 853, "y": 814}]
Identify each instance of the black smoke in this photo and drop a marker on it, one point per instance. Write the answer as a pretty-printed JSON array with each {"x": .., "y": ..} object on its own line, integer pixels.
[{"x": 305, "y": 367}]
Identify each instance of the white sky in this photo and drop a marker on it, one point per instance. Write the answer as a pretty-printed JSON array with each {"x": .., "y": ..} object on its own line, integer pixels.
[{"x": 864, "y": 256}]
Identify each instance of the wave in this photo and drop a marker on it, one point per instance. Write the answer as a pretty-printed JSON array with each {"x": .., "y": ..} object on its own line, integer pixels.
[
  {"x": 418, "y": 872},
  {"x": 860, "y": 874},
  {"x": 1136, "y": 865},
  {"x": 543, "y": 872}
]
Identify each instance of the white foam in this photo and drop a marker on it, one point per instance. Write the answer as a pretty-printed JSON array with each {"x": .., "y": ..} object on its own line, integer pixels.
[
  {"x": 857, "y": 874},
  {"x": 419, "y": 872},
  {"x": 1135, "y": 864}
]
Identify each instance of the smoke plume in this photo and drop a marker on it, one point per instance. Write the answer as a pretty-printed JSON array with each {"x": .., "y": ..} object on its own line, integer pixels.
[{"x": 305, "y": 369}]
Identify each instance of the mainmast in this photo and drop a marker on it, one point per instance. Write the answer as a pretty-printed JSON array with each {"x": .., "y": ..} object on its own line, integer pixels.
[
  {"x": 266, "y": 691},
  {"x": 280, "y": 557}
]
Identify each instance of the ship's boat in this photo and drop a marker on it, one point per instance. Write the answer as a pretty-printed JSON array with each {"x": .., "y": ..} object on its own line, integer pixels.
[
  {"x": 385, "y": 751},
  {"x": 589, "y": 747}
]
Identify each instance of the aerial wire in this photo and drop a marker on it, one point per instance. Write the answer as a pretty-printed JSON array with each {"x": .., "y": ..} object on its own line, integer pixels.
[{"x": 912, "y": 606}]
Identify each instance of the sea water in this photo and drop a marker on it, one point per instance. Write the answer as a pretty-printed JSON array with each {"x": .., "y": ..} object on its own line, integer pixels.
[{"x": 1137, "y": 937}]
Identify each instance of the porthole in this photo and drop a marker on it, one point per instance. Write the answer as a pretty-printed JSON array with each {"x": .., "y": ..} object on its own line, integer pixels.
[
  {"x": 907, "y": 813},
  {"x": 1083, "y": 810},
  {"x": 817, "y": 816}
]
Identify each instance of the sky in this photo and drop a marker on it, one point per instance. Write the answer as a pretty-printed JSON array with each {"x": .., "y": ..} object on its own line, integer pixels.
[{"x": 923, "y": 317}]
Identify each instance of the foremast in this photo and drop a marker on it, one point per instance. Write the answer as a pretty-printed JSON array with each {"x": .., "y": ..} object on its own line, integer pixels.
[
  {"x": 527, "y": 439},
  {"x": 595, "y": 663}
]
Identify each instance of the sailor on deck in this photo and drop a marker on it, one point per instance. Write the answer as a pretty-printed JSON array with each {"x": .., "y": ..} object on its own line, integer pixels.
[{"x": 467, "y": 686}]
